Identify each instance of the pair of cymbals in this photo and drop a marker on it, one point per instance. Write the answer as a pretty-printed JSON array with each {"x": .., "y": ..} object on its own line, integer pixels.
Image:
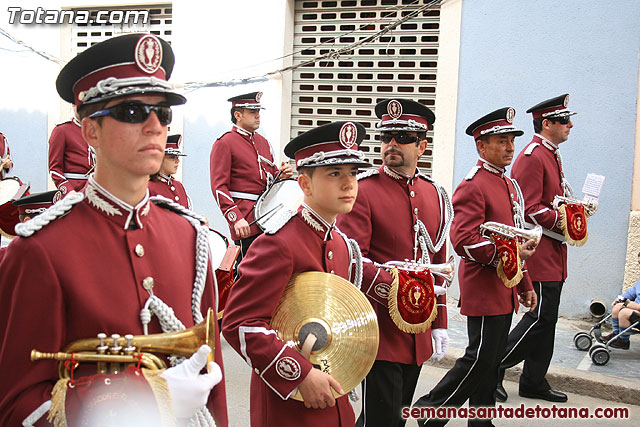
[{"x": 340, "y": 317}]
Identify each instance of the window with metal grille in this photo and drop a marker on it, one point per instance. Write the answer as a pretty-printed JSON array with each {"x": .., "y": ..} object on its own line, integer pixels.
[
  {"x": 401, "y": 63},
  {"x": 158, "y": 23}
]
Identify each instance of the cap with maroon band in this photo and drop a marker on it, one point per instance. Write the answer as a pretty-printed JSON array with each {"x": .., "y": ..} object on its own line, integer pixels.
[
  {"x": 173, "y": 145},
  {"x": 494, "y": 123},
  {"x": 552, "y": 108},
  {"x": 330, "y": 144},
  {"x": 36, "y": 203},
  {"x": 119, "y": 66},
  {"x": 403, "y": 115},
  {"x": 247, "y": 100}
]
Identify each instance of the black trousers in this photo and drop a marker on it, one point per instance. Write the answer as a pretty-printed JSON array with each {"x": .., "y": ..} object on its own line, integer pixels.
[
  {"x": 475, "y": 375},
  {"x": 533, "y": 337},
  {"x": 386, "y": 389},
  {"x": 244, "y": 247}
]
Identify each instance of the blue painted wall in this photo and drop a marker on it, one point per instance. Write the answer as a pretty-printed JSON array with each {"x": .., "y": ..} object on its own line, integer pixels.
[{"x": 518, "y": 53}]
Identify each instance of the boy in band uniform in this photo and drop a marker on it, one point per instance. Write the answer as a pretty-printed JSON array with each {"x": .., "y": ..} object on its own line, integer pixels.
[{"x": 327, "y": 159}]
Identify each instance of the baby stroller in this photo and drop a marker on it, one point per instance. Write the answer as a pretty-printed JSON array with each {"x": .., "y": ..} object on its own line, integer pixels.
[{"x": 600, "y": 352}]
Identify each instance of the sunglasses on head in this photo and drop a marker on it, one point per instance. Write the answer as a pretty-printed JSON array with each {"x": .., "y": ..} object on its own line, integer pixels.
[
  {"x": 562, "y": 120},
  {"x": 134, "y": 112},
  {"x": 401, "y": 138}
]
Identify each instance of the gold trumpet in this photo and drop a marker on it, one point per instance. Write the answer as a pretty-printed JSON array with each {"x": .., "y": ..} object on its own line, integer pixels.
[
  {"x": 131, "y": 350},
  {"x": 589, "y": 207},
  {"x": 446, "y": 270},
  {"x": 510, "y": 232}
]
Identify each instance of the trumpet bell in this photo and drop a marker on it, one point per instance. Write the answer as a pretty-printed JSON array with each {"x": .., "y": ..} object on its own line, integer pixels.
[{"x": 510, "y": 232}]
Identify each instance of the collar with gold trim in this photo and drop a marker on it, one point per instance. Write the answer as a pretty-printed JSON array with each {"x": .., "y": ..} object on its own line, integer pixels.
[
  {"x": 319, "y": 225},
  {"x": 242, "y": 132},
  {"x": 490, "y": 167},
  {"x": 165, "y": 178},
  {"x": 548, "y": 144},
  {"x": 115, "y": 209}
]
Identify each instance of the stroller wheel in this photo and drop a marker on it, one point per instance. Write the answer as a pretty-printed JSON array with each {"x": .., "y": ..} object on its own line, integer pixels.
[
  {"x": 600, "y": 355},
  {"x": 582, "y": 341}
]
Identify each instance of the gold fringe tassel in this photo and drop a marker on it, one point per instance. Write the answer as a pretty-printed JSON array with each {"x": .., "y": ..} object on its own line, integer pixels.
[
  {"x": 162, "y": 394},
  {"x": 563, "y": 224},
  {"x": 404, "y": 326},
  {"x": 57, "y": 415},
  {"x": 510, "y": 283}
]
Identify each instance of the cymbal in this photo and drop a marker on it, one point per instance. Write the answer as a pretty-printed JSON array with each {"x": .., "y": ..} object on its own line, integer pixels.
[{"x": 341, "y": 318}]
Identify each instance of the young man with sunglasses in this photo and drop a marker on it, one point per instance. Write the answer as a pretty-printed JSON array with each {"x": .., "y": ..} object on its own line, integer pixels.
[
  {"x": 400, "y": 214},
  {"x": 491, "y": 278},
  {"x": 128, "y": 264},
  {"x": 538, "y": 169},
  {"x": 163, "y": 183},
  {"x": 242, "y": 167}
]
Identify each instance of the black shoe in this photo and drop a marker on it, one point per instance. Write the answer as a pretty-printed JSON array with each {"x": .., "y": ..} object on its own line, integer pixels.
[
  {"x": 500, "y": 393},
  {"x": 618, "y": 343},
  {"x": 549, "y": 395}
]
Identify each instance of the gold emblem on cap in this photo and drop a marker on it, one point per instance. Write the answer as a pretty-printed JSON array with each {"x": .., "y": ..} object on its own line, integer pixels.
[
  {"x": 148, "y": 53},
  {"x": 566, "y": 101},
  {"x": 394, "y": 108},
  {"x": 511, "y": 113},
  {"x": 341, "y": 319},
  {"x": 258, "y": 96},
  {"x": 348, "y": 135}
]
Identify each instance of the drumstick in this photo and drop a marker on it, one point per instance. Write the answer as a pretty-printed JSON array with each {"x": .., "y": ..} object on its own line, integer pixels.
[{"x": 269, "y": 213}]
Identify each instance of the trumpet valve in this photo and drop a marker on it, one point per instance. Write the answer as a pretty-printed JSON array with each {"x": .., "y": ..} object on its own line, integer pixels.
[
  {"x": 115, "y": 349},
  {"x": 101, "y": 367}
]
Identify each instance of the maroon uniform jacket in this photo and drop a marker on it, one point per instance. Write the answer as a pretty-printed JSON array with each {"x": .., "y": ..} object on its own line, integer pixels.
[
  {"x": 4, "y": 152},
  {"x": 486, "y": 194},
  {"x": 382, "y": 222},
  {"x": 170, "y": 188},
  {"x": 94, "y": 285},
  {"x": 70, "y": 157},
  {"x": 537, "y": 171},
  {"x": 241, "y": 167},
  {"x": 305, "y": 243}
]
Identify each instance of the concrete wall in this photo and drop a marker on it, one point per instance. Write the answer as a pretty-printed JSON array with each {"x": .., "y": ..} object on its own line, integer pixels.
[{"x": 519, "y": 53}]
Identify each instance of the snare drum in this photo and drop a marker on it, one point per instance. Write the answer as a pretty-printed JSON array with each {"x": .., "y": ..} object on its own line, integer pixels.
[
  {"x": 9, "y": 187},
  {"x": 283, "y": 195}
]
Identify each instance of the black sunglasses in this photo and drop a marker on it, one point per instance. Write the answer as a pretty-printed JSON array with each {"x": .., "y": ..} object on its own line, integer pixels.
[
  {"x": 129, "y": 112},
  {"x": 401, "y": 138},
  {"x": 562, "y": 120}
]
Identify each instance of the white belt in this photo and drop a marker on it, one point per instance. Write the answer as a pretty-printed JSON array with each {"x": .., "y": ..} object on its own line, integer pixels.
[
  {"x": 551, "y": 234},
  {"x": 246, "y": 196},
  {"x": 71, "y": 175}
]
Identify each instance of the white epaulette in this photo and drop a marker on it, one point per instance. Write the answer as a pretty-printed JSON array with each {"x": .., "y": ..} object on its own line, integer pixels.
[
  {"x": 367, "y": 174},
  {"x": 474, "y": 170},
  {"x": 52, "y": 213},
  {"x": 280, "y": 220},
  {"x": 530, "y": 149},
  {"x": 169, "y": 204}
]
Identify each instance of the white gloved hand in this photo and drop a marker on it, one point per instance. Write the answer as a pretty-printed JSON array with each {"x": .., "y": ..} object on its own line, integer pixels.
[
  {"x": 440, "y": 343},
  {"x": 439, "y": 290},
  {"x": 189, "y": 389}
]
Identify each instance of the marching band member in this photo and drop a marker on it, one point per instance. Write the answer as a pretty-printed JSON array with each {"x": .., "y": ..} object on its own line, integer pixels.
[
  {"x": 327, "y": 159},
  {"x": 487, "y": 297},
  {"x": 120, "y": 270},
  {"x": 5, "y": 157},
  {"x": 538, "y": 169},
  {"x": 71, "y": 159},
  {"x": 163, "y": 183},
  {"x": 419, "y": 205},
  {"x": 242, "y": 167}
]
